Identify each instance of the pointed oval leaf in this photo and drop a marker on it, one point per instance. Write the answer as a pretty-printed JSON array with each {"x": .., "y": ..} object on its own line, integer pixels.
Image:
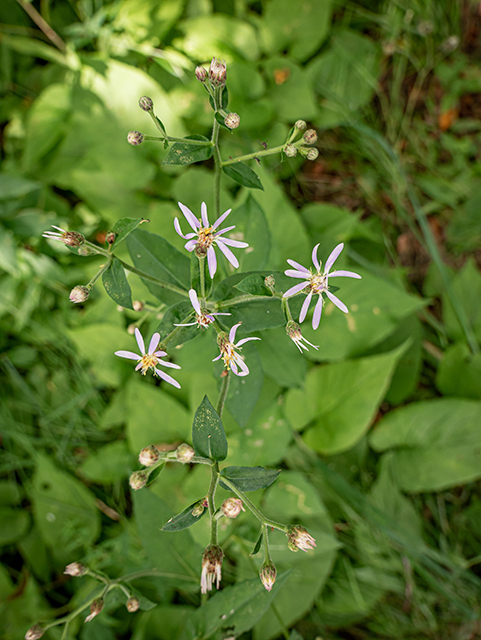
[
  {"x": 254, "y": 284},
  {"x": 123, "y": 227},
  {"x": 244, "y": 175},
  {"x": 116, "y": 285},
  {"x": 185, "y": 519},
  {"x": 188, "y": 152},
  {"x": 208, "y": 435},
  {"x": 248, "y": 478}
]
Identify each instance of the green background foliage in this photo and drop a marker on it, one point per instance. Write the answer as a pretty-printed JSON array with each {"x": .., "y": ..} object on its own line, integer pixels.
[{"x": 376, "y": 434}]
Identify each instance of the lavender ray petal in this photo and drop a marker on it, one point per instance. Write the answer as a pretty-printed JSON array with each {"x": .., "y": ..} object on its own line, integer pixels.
[
  {"x": 187, "y": 324},
  {"x": 140, "y": 340},
  {"x": 221, "y": 219},
  {"x": 190, "y": 245},
  {"x": 139, "y": 366},
  {"x": 244, "y": 340},
  {"x": 177, "y": 227},
  {"x": 232, "y": 332},
  {"x": 339, "y": 304},
  {"x": 167, "y": 378},
  {"x": 295, "y": 274},
  {"x": 203, "y": 213},
  {"x": 189, "y": 216},
  {"x": 316, "y": 318},
  {"x": 305, "y": 307},
  {"x": 296, "y": 265},
  {"x": 228, "y": 254},
  {"x": 211, "y": 261},
  {"x": 170, "y": 365},
  {"x": 346, "y": 274},
  {"x": 160, "y": 354},
  {"x": 222, "y": 231},
  {"x": 195, "y": 301},
  {"x": 235, "y": 243},
  {"x": 333, "y": 256},
  {"x": 297, "y": 288},
  {"x": 315, "y": 260},
  {"x": 128, "y": 354},
  {"x": 153, "y": 343},
  {"x": 218, "y": 357}
]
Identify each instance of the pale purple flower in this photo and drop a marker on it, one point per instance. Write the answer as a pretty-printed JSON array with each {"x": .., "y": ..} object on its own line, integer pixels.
[
  {"x": 228, "y": 353},
  {"x": 316, "y": 283},
  {"x": 202, "y": 317},
  {"x": 151, "y": 358},
  {"x": 205, "y": 237}
]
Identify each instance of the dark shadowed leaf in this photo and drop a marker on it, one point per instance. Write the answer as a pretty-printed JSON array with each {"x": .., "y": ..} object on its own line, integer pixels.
[
  {"x": 185, "y": 519},
  {"x": 244, "y": 175}
]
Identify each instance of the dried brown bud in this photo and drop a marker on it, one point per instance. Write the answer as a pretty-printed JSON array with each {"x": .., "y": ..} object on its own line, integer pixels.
[
  {"x": 146, "y": 103},
  {"x": 135, "y": 138},
  {"x": 76, "y": 569},
  {"x": 95, "y": 608},
  {"x": 80, "y": 293},
  {"x": 110, "y": 237},
  {"x": 149, "y": 456},
  {"x": 133, "y": 604},
  {"x": 299, "y": 538},
  {"x": 211, "y": 568}
]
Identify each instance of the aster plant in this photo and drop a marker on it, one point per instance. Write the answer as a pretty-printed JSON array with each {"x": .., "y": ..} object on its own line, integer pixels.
[{"x": 201, "y": 289}]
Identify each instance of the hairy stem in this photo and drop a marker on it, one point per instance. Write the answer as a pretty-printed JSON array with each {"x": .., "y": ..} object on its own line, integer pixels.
[
  {"x": 146, "y": 276},
  {"x": 217, "y": 158}
]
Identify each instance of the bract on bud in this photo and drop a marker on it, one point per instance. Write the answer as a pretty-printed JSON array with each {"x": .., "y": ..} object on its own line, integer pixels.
[
  {"x": 80, "y": 293},
  {"x": 300, "y": 125},
  {"x": 268, "y": 575},
  {"x": 34, "y": 633},
  {"x": 310, "y": 137},
  {"x": 146, "y": 103},
  {"x": 299, "y": 538},
  {"x": 149, "y": 455},
  {"x": 184, "y": 453},
  {"x": 138, "y": 305},
  {"x": 95, "y": 608},
  {"x": 76, "y": 569},
  {"x": 201, "y": 74},
  {"x": 211, "y": 568},
  {"x": 132, "y": 604},
  {"x": 110, "y": 237},
  {"x": 217, "y": 72},
  {"x": 138, "y": 480},
  {"x": 135, "y": 137},
  {"x": 232, "y": 121},
  {"x": 232, "y": 507},
  {"x": 290, "y": 151}
]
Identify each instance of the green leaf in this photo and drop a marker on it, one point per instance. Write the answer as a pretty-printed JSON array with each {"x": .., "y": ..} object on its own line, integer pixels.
[
  {"x": 14, "y": 524},
  {"x": 110, "y": 463},
  {"x": 185, "y": 519},
  {"x": 188, "y": 153},
  {"x": 459, "y": 373},
  {"x": 436, "y": 443},
  {"x": 65, "y": 511},
  {"x": 251, "y": 221},
  {"x": 244, "y": 391},
  {"x": 341, "y": 400},
  {"x": 208, "y": 435},
  {"x": 116, "y": 285},
  {"x": 281, "y": 359},
  {"x": 466, "y": 284},
  {"x": 160, "y": 123},
  {"x": 123, "y": 227},
  {"x": 248, "y": 478},
  {"x": 237, "y": 608},
  {"x": 244, "y": 175},
  {"x": 155, "y": 256},
  {"x": 254, "y": 284},
  {"x": 220, "y": 119},
  {"x": 176, "y": 556},
  {"x": 35, "y": 48},
  {"x": 258, "y": 544},
  {"x": 181, "y": 312},
  {"x": 12, "y": 187}
]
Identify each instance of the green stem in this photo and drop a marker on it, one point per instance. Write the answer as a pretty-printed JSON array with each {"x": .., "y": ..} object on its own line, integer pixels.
[
  {"x": 174, "y": 332},
  {"x": 202, "y": 280},
  {"x": 267, "y": 554},
  {"x": 217, "y": 157},
  {"x": 146, "y": 276},
  {"x": 287, "y": 310},
  {"x": 154, "y": 573},
  {"x": 223, "y": 393},
  {"x": 96, "y": 248},
  {"x": 241, "y": 299},
  {"x": 257, "y": 154},
  {"x": 260, "y": 516},
  {"x": 199, "y": 143},
  {"x": 102, "y": 270},
  {"x": 210, "y": 499}
]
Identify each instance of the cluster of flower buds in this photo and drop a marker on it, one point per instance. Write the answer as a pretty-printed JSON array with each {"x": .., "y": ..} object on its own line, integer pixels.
[
  {"x": 292, "y": 147},
  {"x": 216, "y": 75}
]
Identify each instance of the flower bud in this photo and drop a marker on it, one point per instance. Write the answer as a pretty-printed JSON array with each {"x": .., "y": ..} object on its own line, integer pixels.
[
  {"x": 199, "y": 508},
  {"x": 217, "y": 72},
  {"x": 450, "y": 44},
  {"x": 85, "y": 251},
  {"x": 138, "y": 305},
  {"x": 149, "y": 455},
  {"x": 232, "y": 121},
  {"x": 312, "y": 154},
  {"x": 232, "y": 507},
  {"x": 138, "y": 480},
  {"x": 34, "y": 633},
  {"x": 310, "y": 137},
  {"x": 270, "y": 282},
  {"x": 133, "y": 604},
  {"x": 95, "y": 608},
  {"x": 146, "y": 103},
  {"x": 211, "y": 568},
  {"x": 80, "y": 293},
  {"x": 184, "y": 453},
  {"x": 300, "y": 125},
  {"x": 70, "y": 238},
  {"x": 268, "y": 575},
  {"x": 290, "y": 151},
  {"x": 76, "y": 569},
  {"x": 201, "y": 74},
  {"x": 299, "y": 538},
  {"x": 110, "y": 238},
  {"x": 135, "y": 137}
]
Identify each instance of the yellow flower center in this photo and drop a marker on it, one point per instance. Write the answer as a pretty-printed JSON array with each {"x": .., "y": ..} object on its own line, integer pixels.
[
  {"x": 206, "y": 237},
  {"x": 148, "y": 362},
  {"x": 317, "y": 283}
]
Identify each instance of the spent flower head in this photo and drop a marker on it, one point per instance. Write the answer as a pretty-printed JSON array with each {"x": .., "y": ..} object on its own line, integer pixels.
[
  {"x": 95, "y": 608},
  {"x": 80, "y": 293},
  {"x": 151, "y": 358},
  {"x": 299, "y": 538},
  {"x": 228, "y": 351},
  {"x": 211, "y": 568},
  {"x": 35, "y": 632},
  {"x": 205, "y": 237},
  {"x": 202, "y": 317},
  {"x": 316, "y": 283},
  {"x": 268, "y": 574},
  {"x": 293, "y": 330},
  {"x": 76, "y": 569},
  {"x": 70, "y": 238}
]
